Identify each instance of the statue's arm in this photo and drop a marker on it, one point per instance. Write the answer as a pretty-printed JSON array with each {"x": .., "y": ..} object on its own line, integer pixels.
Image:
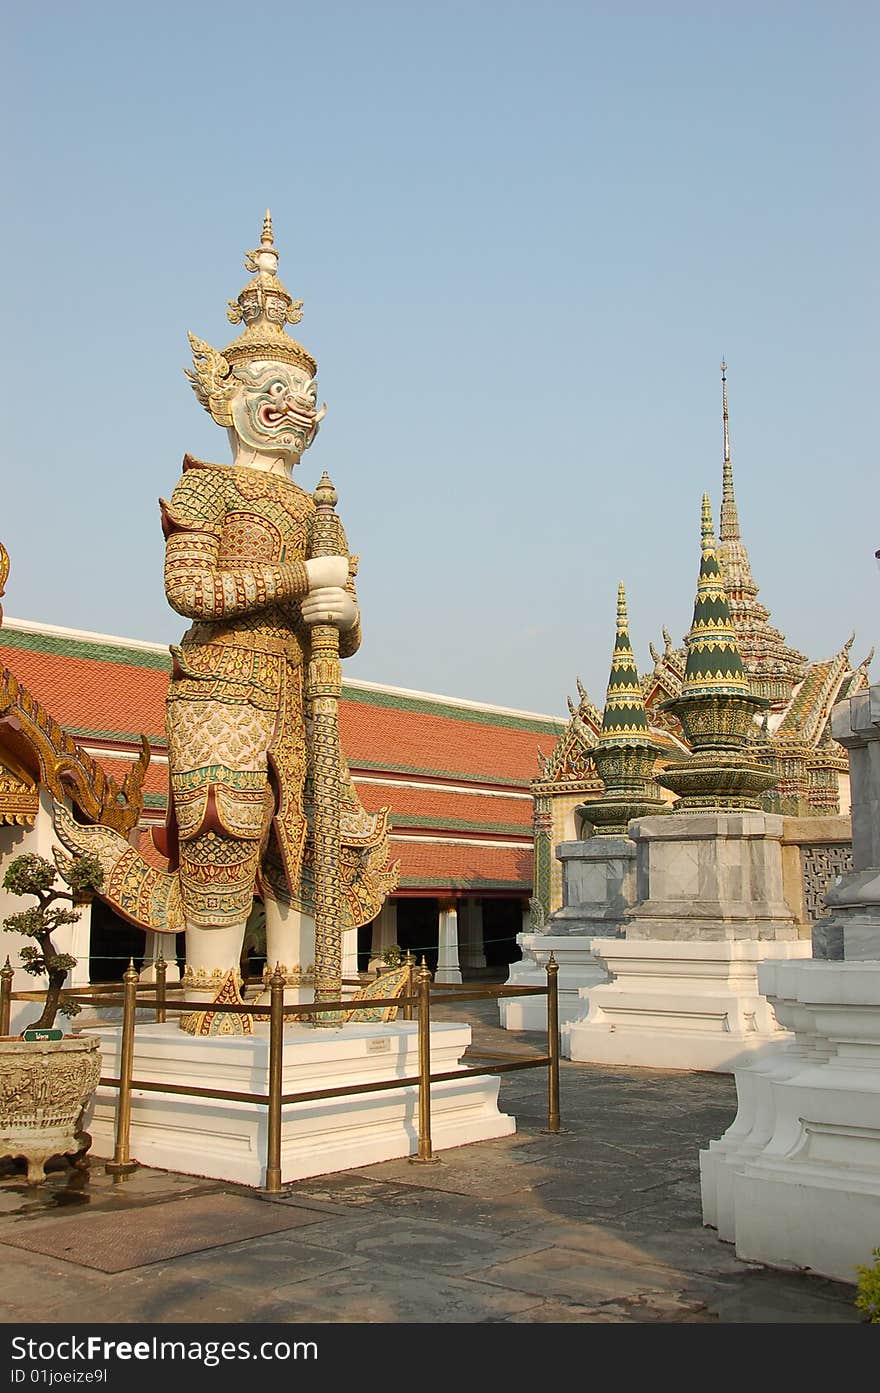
[{"x": 195, "y": 585}]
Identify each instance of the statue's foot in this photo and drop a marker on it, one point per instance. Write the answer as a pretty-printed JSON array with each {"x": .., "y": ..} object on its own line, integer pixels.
[{"x": 208, "y": 1020}]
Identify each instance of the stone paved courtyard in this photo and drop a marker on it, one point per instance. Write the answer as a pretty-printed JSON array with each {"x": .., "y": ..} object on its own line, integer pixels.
[{"x": 600, "y": 1224}]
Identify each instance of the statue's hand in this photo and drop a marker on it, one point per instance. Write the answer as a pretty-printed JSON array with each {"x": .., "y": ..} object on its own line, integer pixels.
[
  {"x": 326, "y": 571},
  {"x": 329, "y": 605}
]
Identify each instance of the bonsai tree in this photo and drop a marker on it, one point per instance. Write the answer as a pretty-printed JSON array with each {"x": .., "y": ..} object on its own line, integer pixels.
[{"x": 34, "y": 875}]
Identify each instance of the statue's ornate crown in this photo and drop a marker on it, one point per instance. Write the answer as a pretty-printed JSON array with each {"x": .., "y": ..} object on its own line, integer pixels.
[{"x": 264, "y": 306}]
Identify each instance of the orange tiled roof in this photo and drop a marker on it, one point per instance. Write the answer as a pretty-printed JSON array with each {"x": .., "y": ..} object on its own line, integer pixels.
[
  {"x": 442, "y": 744},
  {"x": 107, "y": 693},
  {"x": 428, "y": 864},
  {"x": 430, "y": 807}
]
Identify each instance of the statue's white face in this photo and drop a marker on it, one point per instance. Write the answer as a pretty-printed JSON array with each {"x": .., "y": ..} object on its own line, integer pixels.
[{"x": 275, "y": 409}]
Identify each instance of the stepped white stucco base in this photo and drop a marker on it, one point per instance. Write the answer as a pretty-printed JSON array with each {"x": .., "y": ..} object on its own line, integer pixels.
[
  {"x": 226, "y": 1140},
  {"x": 795, "y": 1180},
  {"x": 688, "y": 1004},
  {"x": 578, "y": 969}
]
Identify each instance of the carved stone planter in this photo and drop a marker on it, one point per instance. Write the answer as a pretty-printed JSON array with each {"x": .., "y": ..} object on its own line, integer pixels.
[{"x": 44, "y": 1087}]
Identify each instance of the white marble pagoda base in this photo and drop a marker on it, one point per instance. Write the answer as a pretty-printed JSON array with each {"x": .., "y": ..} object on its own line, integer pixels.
[
  {"x": 679, "y": 1005},
  {"x": 795, "y": 1181},
  {"x": 578, "y": 969},
  {"x": 227, "y": 1140}
]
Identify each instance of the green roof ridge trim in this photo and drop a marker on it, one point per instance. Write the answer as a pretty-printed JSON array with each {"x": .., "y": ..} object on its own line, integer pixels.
[
  {"x": 79, "y": 648},
  {"x": 395, "y": 701}
]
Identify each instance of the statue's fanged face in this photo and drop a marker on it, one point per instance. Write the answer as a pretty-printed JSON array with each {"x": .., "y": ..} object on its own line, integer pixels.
[{"x": 275, "y": 408}]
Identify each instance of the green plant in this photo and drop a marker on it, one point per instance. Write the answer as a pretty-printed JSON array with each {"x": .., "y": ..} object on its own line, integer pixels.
[
  {"x": 34, "y": 875},
  {"x": 392, "y": 955},
  {"x": 868, "y": 1298}
]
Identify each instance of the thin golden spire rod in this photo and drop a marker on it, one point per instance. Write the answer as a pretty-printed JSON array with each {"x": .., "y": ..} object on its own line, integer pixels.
[{"x": 728, "y": 530}]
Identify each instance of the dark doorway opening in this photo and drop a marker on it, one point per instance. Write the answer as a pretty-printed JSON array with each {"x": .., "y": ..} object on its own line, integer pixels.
[
  {"x": 502, "y": 921},
  {"x": 417, "y": 929}
]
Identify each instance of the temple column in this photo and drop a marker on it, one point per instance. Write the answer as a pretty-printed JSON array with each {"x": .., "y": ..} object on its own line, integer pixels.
[
  {"x": 350, "y": 953},
  {"x": 448, "y": 969},
  {"x": 80, "y": 947}
]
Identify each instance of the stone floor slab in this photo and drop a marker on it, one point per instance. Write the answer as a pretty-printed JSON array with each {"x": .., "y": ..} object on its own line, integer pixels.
[
  {"x": 562, "y": 1273},
  {"x": 157, "y": 1232},
  {"x": 379, "y": 1293}
]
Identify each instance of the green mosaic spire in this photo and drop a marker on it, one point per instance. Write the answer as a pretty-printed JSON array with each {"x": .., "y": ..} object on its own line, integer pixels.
[
  {"x": 714, "y": 666},
  {"x": 624, "y": 714},
  {"x": 625, "y": 752}
]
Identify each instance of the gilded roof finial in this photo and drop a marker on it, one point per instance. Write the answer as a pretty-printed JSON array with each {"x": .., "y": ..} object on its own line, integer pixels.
[
  {"x": 266, "y": 239},
  {"x": 622, "y": 621},
  {"x": 707, "y": 531},
  {"x": 729, "y": 528},
  {"x": 4, "y": 572}
]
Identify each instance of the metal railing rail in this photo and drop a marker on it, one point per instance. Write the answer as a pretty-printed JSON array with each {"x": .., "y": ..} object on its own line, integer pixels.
[{"x": 135, "y": 996}]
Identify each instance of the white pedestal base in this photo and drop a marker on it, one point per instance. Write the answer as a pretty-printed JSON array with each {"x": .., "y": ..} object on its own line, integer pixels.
[
  {"x": 578, "y": 969},
  {"x": 795, "y": 1181},
  {"x": 227, "y": 1140},
  {"x": 679, "y": 1005}
]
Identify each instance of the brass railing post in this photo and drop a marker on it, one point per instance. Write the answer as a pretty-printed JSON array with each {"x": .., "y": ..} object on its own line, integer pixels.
[
  {"x": 161, "y": 974},
  {"x": 276, "y": 1055},
  {"x": 122, "y": 1164},
  {"x": 7, "y": 972},
  {"x": 409, "y": 963},
  {"x": 423, "y": 985},
  {"x": 553, "y": 1124}
]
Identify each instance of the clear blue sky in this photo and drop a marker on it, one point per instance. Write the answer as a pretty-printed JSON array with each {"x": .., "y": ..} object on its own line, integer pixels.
[{"x": 524, "y": 235}]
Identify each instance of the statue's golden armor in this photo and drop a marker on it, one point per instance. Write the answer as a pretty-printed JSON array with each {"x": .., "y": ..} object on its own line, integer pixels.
[{"x": 236, "y": 542}]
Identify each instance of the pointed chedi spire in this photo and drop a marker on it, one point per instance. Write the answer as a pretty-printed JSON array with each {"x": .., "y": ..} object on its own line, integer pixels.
[
  {"x": 625, "y": 753},
  {"x": 624, "y": 713},
  {"x": 717, "y": 707},
  {"x": 773, "y": 668},
  {"x": 713, "y": 666}
]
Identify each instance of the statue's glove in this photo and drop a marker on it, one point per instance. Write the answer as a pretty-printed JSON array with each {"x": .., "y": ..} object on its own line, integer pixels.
[
  {"x": 324, "y": 571},
  {"x": 329, "y": 604}
]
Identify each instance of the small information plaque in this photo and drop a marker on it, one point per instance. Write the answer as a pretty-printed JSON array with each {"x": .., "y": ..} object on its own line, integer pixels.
[
  {"x": 379, "y": 1044},
  {"x": 33, "y": 1034}
]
